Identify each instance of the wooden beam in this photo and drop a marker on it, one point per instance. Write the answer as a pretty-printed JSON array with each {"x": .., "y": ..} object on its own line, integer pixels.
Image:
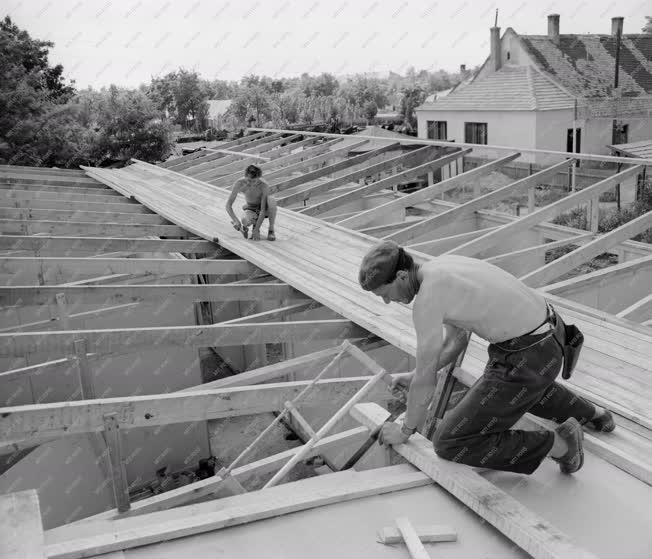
[
  {"x": 33, "y": 214},
  {"x": 24, "y": 194},
  {"x": 288, "y": 164},
  {"x": 386, "y": 229},
  {"x": 424, "y": 194},
  {"x": 472, "y": 206},
  {"x": 407, "y": 175},
  {"x": 580, "y": 283},
  {"x": 105, "y": 536},
  {"x": 426, "y": 533},
  {"x": 411, "y": 539},
  {"x": 408, "y": 159},
  {"x": 113, "y": 438},
  {"x": 542, "y": 214},
  {"x": 21, "y": 529},
  {"x": 54, "y": 265},
  {"x": 90, "y": 228},
  {"x": 30, "y": 423},
  {"x": 639, "y": 311},
  {"x": 71, "y": 244},
  {"x": 181, "y": 163},
  {"x": 120, "y": 205},
  {"x": 207, "y": 487},
  {"x": 215, "y": 335},
  {"x": 594, "y": 248},
  {"x": 118, "y": 294},
  {"x": 54, "y": 191},
  {"x": 329, "y": 170},
  {"x": 435, "y": 247},
  {"x": 529, "y": 531}
]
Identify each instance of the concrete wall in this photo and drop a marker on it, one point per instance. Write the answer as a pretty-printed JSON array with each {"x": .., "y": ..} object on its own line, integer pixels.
[{"x": 504, "y": 128}]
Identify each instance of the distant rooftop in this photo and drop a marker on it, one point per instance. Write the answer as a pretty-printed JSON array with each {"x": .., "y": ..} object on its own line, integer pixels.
[{"x": 512, "y": 88}]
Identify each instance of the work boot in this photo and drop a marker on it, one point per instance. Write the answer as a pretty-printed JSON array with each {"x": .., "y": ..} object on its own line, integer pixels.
[
  {"x": 271, "y": 236},
  {"x": 571, "y": 431},
  {"x": 604, "y": 422}
]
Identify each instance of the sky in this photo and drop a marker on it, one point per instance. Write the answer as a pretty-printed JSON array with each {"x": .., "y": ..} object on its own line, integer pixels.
[{"x": 127, "y": 42}]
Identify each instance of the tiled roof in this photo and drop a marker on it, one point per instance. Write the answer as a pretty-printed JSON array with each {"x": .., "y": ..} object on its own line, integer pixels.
[
  {"x": 512, "y": 88},
  {"x": 584, "y": 64}
]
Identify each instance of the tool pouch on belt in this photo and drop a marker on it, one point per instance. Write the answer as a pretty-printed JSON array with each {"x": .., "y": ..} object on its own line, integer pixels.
[{"x": 571, "y": 348}]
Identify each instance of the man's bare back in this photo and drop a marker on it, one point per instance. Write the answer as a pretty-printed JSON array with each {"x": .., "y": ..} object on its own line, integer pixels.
[{"x": 480, "y": 297}]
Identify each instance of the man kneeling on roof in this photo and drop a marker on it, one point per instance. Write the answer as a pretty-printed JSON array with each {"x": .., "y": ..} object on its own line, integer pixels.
[
  {"x": 528, "y": 343},
  {"x": 259, "y": 204}
]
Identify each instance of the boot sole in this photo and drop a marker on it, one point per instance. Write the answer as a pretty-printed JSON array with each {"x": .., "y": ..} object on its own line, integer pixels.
[{"x": 574, "y": 431}]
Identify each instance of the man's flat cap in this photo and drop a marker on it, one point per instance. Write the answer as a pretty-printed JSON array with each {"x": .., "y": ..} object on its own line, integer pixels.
[{"x": 379, "y": 265}]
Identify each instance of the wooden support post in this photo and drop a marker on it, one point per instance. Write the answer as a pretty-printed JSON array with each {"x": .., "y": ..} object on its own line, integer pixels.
[
  {"x": 594, "y": 214},
  {"x": 412, "y": 541},
  {"x": 120, "y": 486},
  {"x": 294, "y": 412},
  {"x": 83, "y": 370},
  {"x": 64, "y": 315},
  {"x": 531, "y": 199}
]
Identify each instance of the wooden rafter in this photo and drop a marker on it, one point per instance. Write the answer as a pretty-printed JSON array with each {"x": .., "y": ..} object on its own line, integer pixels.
[
  {"x": 403, "y": 176},
  {"x": 90, "y": 228},
  {"x": 570, "y": 261},
  {"x": 213, "y": 335},
  {"x": 424, "y": 194},
  {"x": 542, "y": 214},
  {"x": 463, "y": 210}
]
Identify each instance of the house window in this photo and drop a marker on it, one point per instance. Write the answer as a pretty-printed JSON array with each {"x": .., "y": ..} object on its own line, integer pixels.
[
  {"x": 578, "y": 142},
  {"x": 437, "y": 129},
  {"x": 508, "y": 55},
  {"x": 475, "y": 132},
  {"x": 620, "y": 133}
]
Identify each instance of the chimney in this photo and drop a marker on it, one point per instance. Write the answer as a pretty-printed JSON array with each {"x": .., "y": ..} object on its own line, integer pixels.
[
  {"x": 617, "y": 26},
  {"x": 553, "y": 28},
  {"x": 494, "y": 37}
]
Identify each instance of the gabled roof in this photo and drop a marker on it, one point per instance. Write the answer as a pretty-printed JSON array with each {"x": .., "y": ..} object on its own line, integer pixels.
[
  {"x": 512, "y": 88},
  {"x": 634, "y": 149},
  {"x": 584, "y": 64}
]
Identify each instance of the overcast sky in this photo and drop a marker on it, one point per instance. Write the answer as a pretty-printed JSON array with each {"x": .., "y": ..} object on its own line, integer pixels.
[{"x": 126, "y": 42}]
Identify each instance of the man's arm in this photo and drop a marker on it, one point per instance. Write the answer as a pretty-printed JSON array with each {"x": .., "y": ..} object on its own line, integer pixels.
[
  {"x": 428, "y": 319},
  {"x": 229, "y": 203},
  {"x": 263, "y": 206}
]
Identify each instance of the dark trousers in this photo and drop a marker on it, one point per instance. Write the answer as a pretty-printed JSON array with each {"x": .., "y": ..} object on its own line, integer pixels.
[{"x": 519, "y": 378}]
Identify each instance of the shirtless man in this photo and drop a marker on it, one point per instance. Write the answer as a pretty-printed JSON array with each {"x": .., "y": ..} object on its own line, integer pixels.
[
  {"x": 454, "y": 294},
  {"x": 259, "y": 204}
]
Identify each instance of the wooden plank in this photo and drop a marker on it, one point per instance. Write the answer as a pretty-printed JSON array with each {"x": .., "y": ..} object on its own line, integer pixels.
[
  {"x": 34, "y": 214},
  {"x": 435, "y": 247},
  {"x": 120, "y": 205},
  {"x": 8, "y": 196},
  {"x": 58, "y": 419},
  {"x": 118, "y": 294},
  {"x": 119, "y": 474},
  {"x": 408, "y": 159},
  {"x": 102, "y": 537},
  {"x": 424, "y": 194},
  {"x": 51, "y": 266},
  {"x": 90, "y": 228},
  {"x": 429, "y": 533},
  {"x": 529, "y": 531},
  {"x": 472, "y": 206},
  {"x": 542, "y": 214},
  {"x": 545, "y": 274},
  {"x": 70, "y": 244},
  {"x": 407, "y": 175},
  {"x": 54, "y": 191},
  {"x": 207, "y": 487},
  {"x": 216, "y": 335},
  {"x": 411, "y": 539},
  {"x": 21, "y": 529}
]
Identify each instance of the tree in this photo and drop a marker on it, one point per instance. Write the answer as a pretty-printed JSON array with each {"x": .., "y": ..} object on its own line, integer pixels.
[
  {"x": 190, "y": 97},
  {"x": 29, "y": 89},
  {"x": 412, "y": 98},
  {"x": 647, "y": 28},
  {"x": 370, "y": 110}
]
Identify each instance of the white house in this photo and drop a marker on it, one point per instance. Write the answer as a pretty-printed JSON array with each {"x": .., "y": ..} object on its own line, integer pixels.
[
  {"x": 534, "y": 89},
  {"x": 216, "y": 110}
]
